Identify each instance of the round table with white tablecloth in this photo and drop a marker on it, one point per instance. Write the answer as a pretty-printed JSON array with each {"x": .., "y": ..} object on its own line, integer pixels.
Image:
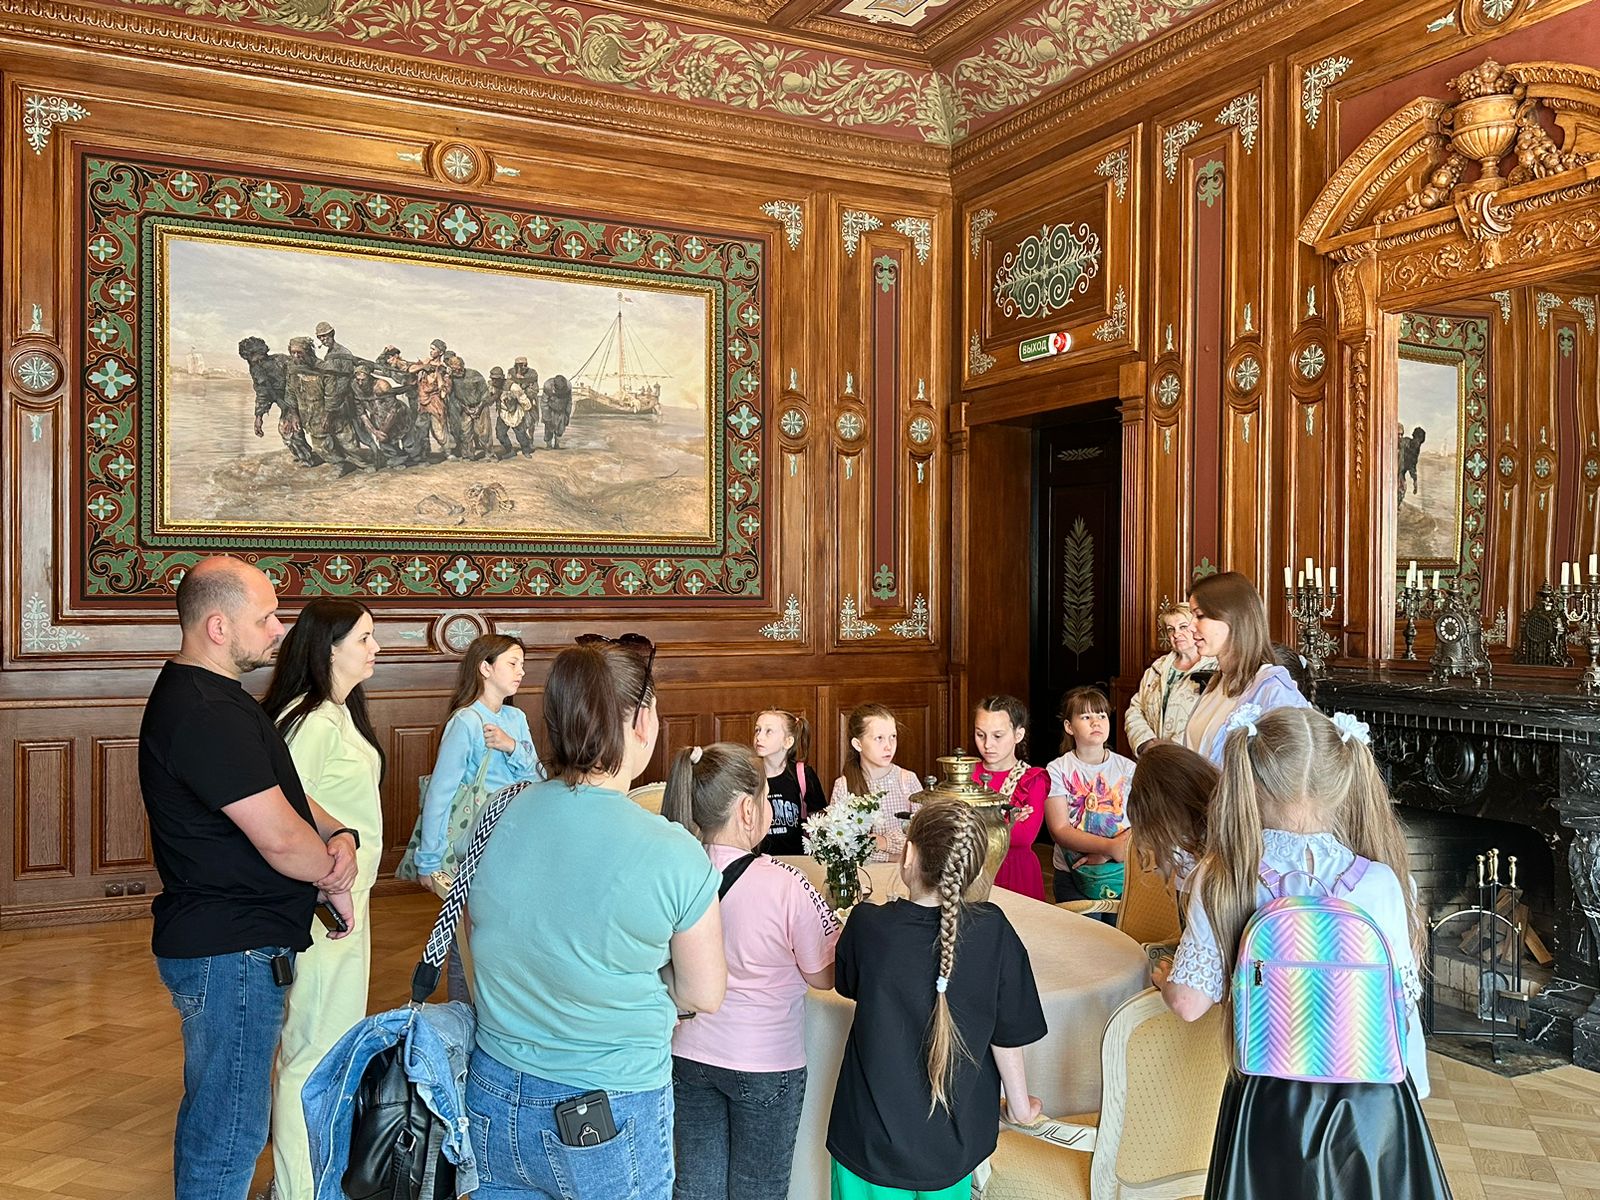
[{"x": 1084, "y": 969}]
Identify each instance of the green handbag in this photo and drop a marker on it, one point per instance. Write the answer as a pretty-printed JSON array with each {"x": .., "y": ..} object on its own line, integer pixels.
[{"x": 465, "y": 806}]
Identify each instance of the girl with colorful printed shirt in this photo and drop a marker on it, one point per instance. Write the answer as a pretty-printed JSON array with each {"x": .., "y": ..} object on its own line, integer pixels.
[{"x": 1086, "y": 808}]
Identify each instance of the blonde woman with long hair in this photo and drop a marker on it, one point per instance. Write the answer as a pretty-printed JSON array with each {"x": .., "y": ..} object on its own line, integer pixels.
[
  {"x": 936, "y": 1034},
  {"x": 1230, "y": 625},
  {"x": 1301, "y": 802}
]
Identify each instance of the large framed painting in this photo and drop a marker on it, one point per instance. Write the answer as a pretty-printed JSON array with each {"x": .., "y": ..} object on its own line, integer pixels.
[
  {"x": 399, "y": 397},
  {"x": 1443, "y": 435}
]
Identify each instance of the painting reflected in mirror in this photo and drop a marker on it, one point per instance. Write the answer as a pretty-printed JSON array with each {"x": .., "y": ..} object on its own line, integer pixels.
[{"x": 1498, "y": 441}]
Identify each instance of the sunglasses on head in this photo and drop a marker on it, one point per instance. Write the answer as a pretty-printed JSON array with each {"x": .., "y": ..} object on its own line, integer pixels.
[{"x": 636, "y": 642}]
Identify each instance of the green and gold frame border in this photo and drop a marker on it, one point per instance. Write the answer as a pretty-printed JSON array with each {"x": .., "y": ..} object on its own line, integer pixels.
[
  {"x": 1462, "y": 342},
  {"x": 128, "y": 205}
]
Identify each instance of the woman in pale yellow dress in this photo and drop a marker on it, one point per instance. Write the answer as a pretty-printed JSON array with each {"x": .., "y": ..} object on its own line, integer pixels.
[{"x": 317, "y": 701}]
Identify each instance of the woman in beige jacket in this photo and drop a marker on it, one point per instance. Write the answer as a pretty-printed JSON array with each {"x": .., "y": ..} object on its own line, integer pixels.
[{"x": 1168, "y": 691}]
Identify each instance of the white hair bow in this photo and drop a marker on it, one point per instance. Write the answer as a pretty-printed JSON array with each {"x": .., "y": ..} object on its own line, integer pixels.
[
  {"x": 1350, "y": 726},
  {"x": 1244, "y": 717}
]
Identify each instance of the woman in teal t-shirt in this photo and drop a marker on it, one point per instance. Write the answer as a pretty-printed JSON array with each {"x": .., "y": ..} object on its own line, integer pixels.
[{"x": 579, "y": 899}]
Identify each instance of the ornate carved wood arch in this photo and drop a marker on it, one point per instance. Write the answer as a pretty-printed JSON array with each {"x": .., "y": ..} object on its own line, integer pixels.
[{"x": 1427, "y": 209}]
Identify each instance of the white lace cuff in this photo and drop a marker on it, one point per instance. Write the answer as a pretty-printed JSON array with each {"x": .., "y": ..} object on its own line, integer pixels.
[
  {"x": 1200, "y": 967},
  {"x": 1411, "y": 984}
]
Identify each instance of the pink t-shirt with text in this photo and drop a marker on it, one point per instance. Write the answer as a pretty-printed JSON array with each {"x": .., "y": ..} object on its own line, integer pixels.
[{"x": 774, "y": 925}]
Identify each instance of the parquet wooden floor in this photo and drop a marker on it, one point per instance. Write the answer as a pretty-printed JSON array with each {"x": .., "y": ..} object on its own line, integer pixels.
[{"x": 91, "y": 1073}]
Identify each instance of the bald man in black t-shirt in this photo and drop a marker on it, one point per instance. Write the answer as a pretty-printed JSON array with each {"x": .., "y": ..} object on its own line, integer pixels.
[{"x": 244, "y": 855}]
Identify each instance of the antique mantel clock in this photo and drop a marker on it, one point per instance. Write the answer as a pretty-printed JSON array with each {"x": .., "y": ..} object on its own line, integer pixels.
[{"x": 1458, "y": 640}]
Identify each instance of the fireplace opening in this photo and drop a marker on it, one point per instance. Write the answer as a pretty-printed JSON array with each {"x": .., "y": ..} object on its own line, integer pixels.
[{"x": 1444, "y": 849}]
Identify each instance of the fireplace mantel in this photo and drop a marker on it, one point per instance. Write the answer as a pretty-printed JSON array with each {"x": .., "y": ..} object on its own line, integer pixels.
[{"x": 1513, "y": 752}]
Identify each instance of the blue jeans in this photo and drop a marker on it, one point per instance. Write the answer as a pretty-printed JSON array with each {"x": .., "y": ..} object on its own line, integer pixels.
[
  {"x": 734, "y": 1130},
  {"x": 232, "y": 1014},
  {"x": 519, "y": 1153}
]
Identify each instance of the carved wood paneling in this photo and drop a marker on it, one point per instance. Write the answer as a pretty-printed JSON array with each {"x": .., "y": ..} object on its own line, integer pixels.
[
  {"x": 120, "y": 834},
  {"x": 1054, "y": 252},
  {"x": 43, "y": 818},
  {"x": 410, "y": 750}
]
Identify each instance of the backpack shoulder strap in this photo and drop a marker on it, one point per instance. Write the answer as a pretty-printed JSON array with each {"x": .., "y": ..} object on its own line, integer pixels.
[
  {"x": 731, "y": 872},
  {"x": 426, "y": 976},
  {"x": 1352, "y": 875},
  {"x": 800, "y": 777}
]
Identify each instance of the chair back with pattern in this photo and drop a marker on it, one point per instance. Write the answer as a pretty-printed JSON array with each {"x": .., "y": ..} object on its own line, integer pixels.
[
  {"x": 1149, "y": 912},
  {"x": 1161, "y": 1088}
]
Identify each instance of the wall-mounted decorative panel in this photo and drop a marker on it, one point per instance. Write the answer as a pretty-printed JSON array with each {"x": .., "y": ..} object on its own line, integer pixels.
[
  {"x": 1209, "y": 325},
  {"x": 121, "y": 835},
  {"x": 1054, "y": 254},
  {"x": 42, "y": 829},
  {"x": 886, "y": 429}
]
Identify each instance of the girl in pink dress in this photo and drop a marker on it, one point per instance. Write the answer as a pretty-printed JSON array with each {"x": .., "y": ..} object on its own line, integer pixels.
[{"x": 1000, "y": 730}]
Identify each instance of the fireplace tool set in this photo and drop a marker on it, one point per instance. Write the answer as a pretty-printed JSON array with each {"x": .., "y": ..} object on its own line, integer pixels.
[{"x": 1493, "y": 935}]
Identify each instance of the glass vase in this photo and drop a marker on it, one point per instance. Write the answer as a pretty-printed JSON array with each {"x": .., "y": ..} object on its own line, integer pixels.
[{"x": 844, "y": 885}]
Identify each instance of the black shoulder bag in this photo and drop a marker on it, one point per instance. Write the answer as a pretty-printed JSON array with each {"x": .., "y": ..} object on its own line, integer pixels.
[{"x": 396, "y": 1143}]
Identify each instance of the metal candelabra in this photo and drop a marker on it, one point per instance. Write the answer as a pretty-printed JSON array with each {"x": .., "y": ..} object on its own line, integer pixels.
[
  {"x": 1414, "y": 601},
  {"x": 1580, "y": 604},
  {"x": 1309, "y": 606}
]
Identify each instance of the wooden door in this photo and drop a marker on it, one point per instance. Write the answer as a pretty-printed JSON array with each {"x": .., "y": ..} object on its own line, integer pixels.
[{"x": 1077, "y": 572}]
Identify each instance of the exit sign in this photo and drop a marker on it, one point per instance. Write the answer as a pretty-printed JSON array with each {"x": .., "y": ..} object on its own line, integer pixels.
[{"x": 1046, "y": 346}]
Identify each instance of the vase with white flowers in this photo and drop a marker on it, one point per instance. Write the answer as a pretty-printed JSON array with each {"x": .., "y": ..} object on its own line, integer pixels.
[{"x": 840, "y": 838}]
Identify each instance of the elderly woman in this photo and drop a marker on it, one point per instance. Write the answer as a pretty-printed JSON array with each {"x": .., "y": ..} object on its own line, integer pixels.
[
  {"x": 1230, "y": 624},
  {"x": 1168, "y": 691},
  {"x": 594, "y": 923}
]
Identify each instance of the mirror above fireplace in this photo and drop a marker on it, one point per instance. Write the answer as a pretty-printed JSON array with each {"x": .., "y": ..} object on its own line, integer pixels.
[{"x": 1465, "y": 238}]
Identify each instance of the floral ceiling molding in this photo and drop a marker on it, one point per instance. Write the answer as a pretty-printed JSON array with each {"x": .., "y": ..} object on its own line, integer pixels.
[{"x": 586, "y": 45}]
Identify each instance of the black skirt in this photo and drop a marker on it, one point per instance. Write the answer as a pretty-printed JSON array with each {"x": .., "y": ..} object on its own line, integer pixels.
[{"x": 1281, "y": 1139}]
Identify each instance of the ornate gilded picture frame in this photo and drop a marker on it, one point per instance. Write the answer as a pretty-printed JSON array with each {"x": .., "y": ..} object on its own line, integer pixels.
[{"x": 399, "y": 396}]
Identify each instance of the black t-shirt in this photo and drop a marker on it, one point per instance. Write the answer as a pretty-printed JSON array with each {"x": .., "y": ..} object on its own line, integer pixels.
[
  {"x": 887, "y": 960},
  {"x": 203, "y": 744},
  {"x": 783, "y": 789}
]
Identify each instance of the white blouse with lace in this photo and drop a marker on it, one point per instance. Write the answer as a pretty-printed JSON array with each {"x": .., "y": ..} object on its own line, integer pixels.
[{"x": 1198, "y": 963}]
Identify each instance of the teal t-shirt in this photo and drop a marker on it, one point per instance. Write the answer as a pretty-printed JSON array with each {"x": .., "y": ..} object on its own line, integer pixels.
[{"x": 574, "y": 904}]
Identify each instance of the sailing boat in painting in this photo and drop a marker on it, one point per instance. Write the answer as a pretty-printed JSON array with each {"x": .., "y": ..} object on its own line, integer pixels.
[{"x": 621, "y": 377}]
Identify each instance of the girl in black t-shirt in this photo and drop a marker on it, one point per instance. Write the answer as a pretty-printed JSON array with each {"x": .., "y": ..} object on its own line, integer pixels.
[
  {"x": 917, "y": 1106},
  {"x": 782, "y": 740}
]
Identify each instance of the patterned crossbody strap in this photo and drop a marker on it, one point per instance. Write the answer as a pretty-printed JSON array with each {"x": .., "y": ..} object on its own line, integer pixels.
[
  {"x": 426, "y": 977},
  {"x": 1009, "y": 787}
]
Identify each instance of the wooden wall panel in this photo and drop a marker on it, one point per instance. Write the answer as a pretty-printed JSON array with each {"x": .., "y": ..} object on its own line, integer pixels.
[
  {"x": 73, "y": 808},
  {"x": 120, "y": 840},
  {"x": 44, "y": 808},
  {"x": 1241, "y": 461}
]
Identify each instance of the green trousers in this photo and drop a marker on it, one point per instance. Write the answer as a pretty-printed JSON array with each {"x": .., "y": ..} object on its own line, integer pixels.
[{"x": 848, "y": 1186}]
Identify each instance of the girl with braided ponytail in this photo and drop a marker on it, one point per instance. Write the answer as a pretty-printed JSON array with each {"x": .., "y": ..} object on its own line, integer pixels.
[{"x": 945, "y": 1001}]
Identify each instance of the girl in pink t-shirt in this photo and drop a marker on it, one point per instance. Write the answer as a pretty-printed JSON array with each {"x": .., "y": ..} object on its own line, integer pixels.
[{"x": 739, "y": 1074}]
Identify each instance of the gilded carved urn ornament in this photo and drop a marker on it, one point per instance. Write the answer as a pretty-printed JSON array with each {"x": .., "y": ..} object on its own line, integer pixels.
[{"x": 1436, "y": 159}]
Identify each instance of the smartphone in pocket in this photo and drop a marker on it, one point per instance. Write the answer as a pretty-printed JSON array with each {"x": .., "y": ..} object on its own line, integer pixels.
[{"x": 585, "y": 1120}]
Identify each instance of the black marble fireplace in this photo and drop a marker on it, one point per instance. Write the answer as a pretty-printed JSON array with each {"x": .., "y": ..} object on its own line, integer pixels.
[{"x": 1511, "y": 754}]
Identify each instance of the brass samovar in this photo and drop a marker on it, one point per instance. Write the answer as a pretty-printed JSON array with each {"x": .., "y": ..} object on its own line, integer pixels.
[{"x": 999, "y": 813}]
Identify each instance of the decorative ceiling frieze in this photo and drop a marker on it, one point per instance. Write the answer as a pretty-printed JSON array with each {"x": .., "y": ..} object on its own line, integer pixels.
[{"x": 765, "y": 71}]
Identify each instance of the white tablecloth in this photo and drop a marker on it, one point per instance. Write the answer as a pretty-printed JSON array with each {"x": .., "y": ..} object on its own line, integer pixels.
[{"x": 1084, "y": 970}]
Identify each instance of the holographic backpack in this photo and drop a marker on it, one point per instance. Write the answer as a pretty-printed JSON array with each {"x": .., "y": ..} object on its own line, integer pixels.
[{"x": 1316, "y": 993}]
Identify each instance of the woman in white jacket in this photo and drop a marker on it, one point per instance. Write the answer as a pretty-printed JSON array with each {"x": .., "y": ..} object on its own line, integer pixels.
[{"x": 1168, "y": 692}]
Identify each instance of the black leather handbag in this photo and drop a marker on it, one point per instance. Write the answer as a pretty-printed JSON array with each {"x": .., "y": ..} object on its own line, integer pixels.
[
  {"x": 396, "y": 1142},
  {"x": 394, "y": 1137}
]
